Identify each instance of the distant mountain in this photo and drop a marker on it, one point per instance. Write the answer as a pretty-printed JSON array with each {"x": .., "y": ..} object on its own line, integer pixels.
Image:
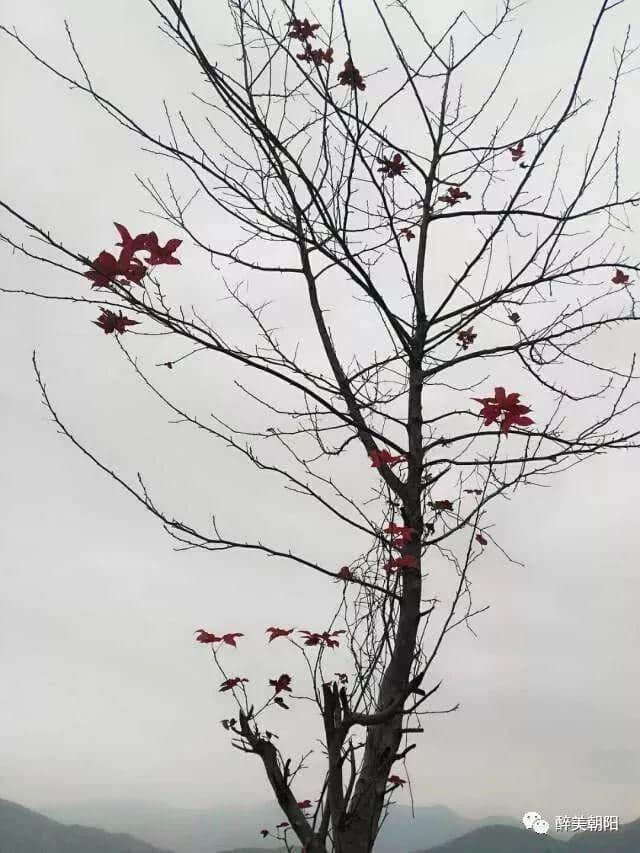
[
  {"x": 233, "y": 829},
  {"x": 625, "y": 840},
  {"x": 507, "y": 839},
  {"x": 502, "y": 839},
  {"x": 26, "y": 831}
]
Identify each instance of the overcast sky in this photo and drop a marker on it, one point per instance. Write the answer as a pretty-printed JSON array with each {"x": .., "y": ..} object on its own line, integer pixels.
[{"x": 105, "y": 692}]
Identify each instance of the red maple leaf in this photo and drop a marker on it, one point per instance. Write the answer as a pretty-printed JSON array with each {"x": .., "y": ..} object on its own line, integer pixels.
[
  {"x": 517, "y": 153},
  {"x": 481, "y": 539},
  {"x": 466, "y": 337},
  {"x": 107, "y": 267},
  {"x": 515, "y": 317},
  {"x": 112, "y": 322},
  {"x": 345, "y": 574},
  {"x": 206, "y": 637},
  {"x": 228, "y": 723},
  {"x": 315, "y": 639},
  {"x": 278, "y": 632},
  {"x": 302, "y": 30},
  {"x": 392, "y": 167},
  {"x": 161, "y": 254},
  {"x": 281, "y": 683},
  {"x": 280, "y": 701},
  {"x": 351, "y": 77},
  {"x": 229, "y": 639},
  {"x": 305, "y": 804},
  {"x": 230, "y": 683},
  {"x": 130, "y": 245},
  {"x": 407, "y": 561},
  {"x": 620, "y": 277},
  {"x": 396, "y": 780},
  {"x": 408, "y": 233},
  {"x": 404, "y": 534},
  {"x": 507, "y": 405},
  {"x": 317, "y": 56},
  {"x": 383, "y": 457},
  {"x": 453, "y": 196}
]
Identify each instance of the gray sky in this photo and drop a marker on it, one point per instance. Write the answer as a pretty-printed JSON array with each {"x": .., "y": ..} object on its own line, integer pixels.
[{"x": 105, "y": 692}]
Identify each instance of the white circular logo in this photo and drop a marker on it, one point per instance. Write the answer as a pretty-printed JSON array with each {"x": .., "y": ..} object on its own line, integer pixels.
[{"x": 529, "y": 818}]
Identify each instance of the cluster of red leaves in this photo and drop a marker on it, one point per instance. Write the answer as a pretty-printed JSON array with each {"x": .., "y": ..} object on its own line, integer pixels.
[
  {"x": 396, "y": 780},
  {"x": 345, "y": 574},
  {"x": 407, "y": 561},
  {"x": 620, "y": 277},
  {"x": 206, "y": 637},
  {"x": 439, "y": 506},
  {"x": 106, "y": 268},
  {"x": 304, "y": 804},
  {"x": 393, "y": 167},
  {"x": 112, "y": 322},
  {"x": 384, "y": 457},
  {"x": 404, "y": 534},
  {"x": 281, "y": 683},
  {"x": 324, "y": 639},
  {"x": 453, "y": 196},
  {"x": 302, "y": 30},
  {"x": 278, "y": 632},
  {"x": 408, "y": 233},
  {"x": 230, "y": 683},
  {"x": 466, "y": 337},
  {"x": 517, "y": 153},
  {"x": 508, "y": 406},
  {"x": 351, "y": 77},
  {"x": 317, "y": 56}
]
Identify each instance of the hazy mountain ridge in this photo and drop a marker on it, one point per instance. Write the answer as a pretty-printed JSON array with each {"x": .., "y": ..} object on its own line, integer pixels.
[
  {"x": 25, "y": 831},
  {"x": 507, "y": 839},
  {"x": 227, "y": 829}
]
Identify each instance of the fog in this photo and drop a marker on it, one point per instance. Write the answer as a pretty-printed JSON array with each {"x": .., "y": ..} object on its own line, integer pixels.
[{"x": 105, "y": 692}]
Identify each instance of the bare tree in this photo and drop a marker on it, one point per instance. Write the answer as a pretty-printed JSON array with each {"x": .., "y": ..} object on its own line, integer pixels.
[{"x": 305, "y": 165}]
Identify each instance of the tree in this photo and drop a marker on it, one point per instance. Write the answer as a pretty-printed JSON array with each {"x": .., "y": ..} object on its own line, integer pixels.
[{"x": 304, "y": 160}]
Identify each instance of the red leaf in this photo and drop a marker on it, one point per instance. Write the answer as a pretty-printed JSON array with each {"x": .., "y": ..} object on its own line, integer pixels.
[
  {"x": 112, "y": 322},
  {"x": 230, "y": 683},
  {"x": 407, "y": 561},
  {"x": 440, "y": 506},
  {"x": 280, "y": 701},
  {"x": 384, "y": 457},
  {"x": 393, "y": 167},
  {"x": 317, "y": 56},
  {"x": 229, "y": 639},
  {"x": 302, "y": 30},
  {"x": 453, "y": 196},
  {"x": 508, "y": 406},
  {"x": 518, "y": 152},
  {"x": 281, "y": 825},
  {"x": 264, "y": 832},
  {"x": 345, "y": 574},
  {"x": 481, "y": 539},
  {"x": 305, "y": 804},
  {"x": 161, "y": 254},
  {"x": 281, "y": 683},
  {"x": 408, "y": 233},
  {"x": 278, "y": 632},
  {"x": 466, "y": 337},
  {"x": 620, "y": 277},
  {"x": 206, "y": 637},
  {"x": 351, "y": 77},
  {"x": 107, "y": 268},
  {"x": 396, "y": 780}
]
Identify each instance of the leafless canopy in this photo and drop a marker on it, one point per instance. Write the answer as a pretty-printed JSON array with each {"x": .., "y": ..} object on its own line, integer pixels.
[{"x": 304, "y": 151}]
